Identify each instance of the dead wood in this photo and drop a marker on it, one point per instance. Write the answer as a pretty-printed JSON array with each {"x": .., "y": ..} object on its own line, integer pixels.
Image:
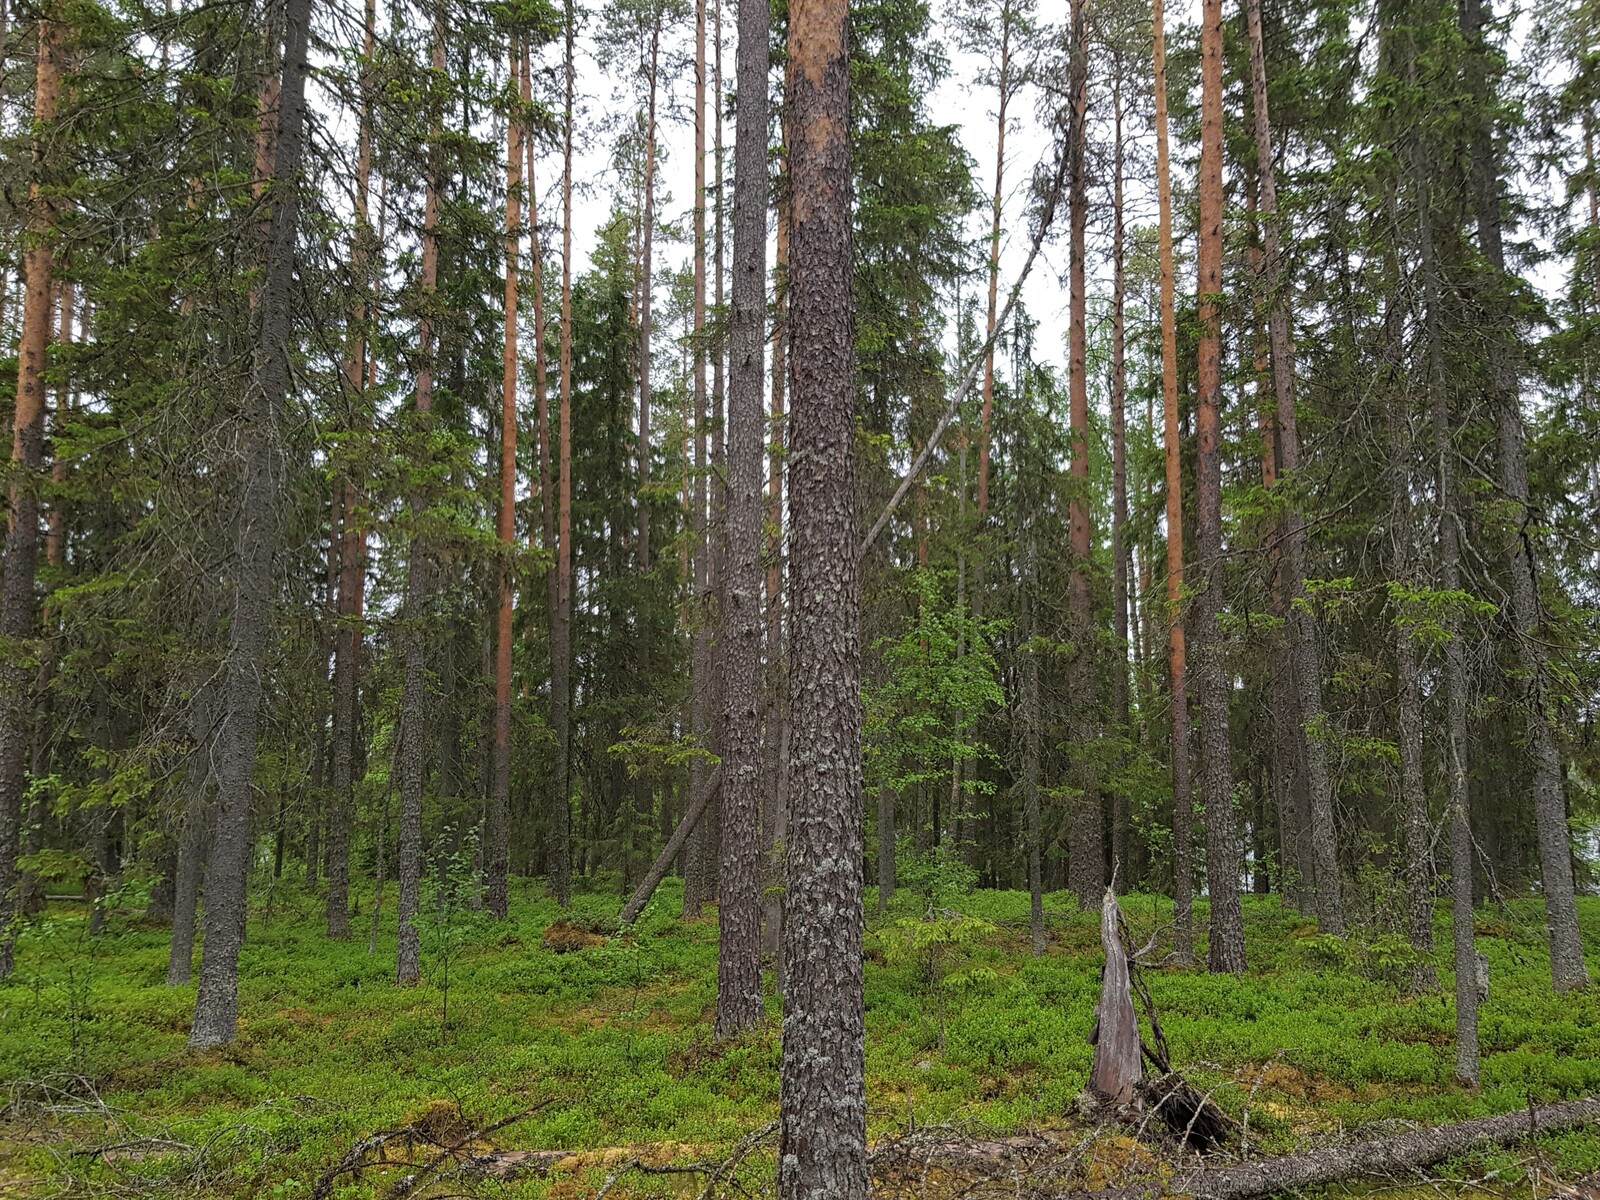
[
  {"x": 1395, "y": 1155},
  {"x": 663, "y": 863},
  {"x": 1115, "y": 1037}
]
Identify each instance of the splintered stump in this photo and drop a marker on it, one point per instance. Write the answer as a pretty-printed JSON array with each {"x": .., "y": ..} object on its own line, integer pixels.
[{"x": 1115, "y": 1037}]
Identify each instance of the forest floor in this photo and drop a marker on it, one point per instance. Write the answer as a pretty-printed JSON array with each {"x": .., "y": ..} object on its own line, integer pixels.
[{"x": 610, "y": 1043}]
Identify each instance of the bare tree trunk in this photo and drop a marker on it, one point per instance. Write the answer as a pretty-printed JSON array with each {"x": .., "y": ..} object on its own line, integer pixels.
[
  {"x": 1302, "y": 628},
  {"x": 822, "y": 1093},
  {"x": 647, "y": 220},
  {"x": 776, "y": 730},
  {"x": 498, "y": 833},
  {"x": 1119, "y": 488},
  {"x": 1567, "y": 969},
  {"x": 1226, "y": 953},
  {"x": 663, "y": 863},
  {"x": 700, "y": 663},
  {"x": 739, "y": 945},
  {"x": 415, "y": 699},
  {"x": 1182, "y": 805},
  {"x": 560, "y": 849},
  {"x": 216, "y": 1006},
  {"x": 1003, "y": 88},
  {"x": 886, "y": 839},
  {"x": 18, "y": 619},
  {"x": 1086, "y": 865},
  {"x": 1032, "y": 726}
]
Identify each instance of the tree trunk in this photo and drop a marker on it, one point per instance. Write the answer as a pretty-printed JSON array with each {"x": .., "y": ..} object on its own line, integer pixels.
[
  {"x": 1003, "y": 87},
  {"x": 1117, "y": 1066},
  {"x": 1302, "y": 628},
  {"x": 498, "y": 831},
  {"x": 663, "y": 863},
  {"x": 776, "y": 731},
  {"x": 1226, "y": 953},
  {"x": 1032, "y": 727},
  {"x": 216, "y": 1006},
  {"x": 560, "y": 849},
  {"x": 822, "y": 1093},
  {"x": 1567, "y": 970},
  {"x": 1119, "y": 489},
  {"x": 700, "y": 663},
  {"x": 1457, "y": 790},
  {"x": 1086, "y": 865},
  {"x": 739, "y": 916},
  {"x": 17, "y": 603},
  {"x": 1177, "y": 651}
]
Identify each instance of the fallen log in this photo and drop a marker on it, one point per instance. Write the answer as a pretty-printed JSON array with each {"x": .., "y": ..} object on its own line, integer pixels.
[
  {"x": 663, "y": 863},
  {"x": 1334, "y": 1164}
]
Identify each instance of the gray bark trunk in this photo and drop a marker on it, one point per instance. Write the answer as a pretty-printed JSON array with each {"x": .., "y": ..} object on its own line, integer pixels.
[
  {"x": 216, "y": 1005},
  {"x": 822, "y": 1149}
]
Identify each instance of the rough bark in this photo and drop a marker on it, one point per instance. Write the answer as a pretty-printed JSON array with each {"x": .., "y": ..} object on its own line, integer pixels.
[
  {"x": 1086, "y": 862},
  {"x": 415, "y": 699},
  {"x": 216, "y": 1005},
  {"x": 776, "y": 730},
  {"x": 1226, "y": 950},
  {"x": 18, "y": 609},
  {"x": 822, "y": 1093},
  {"x": 647, "y": 227},
  {"x": 886, "y": 837},
  {"x": 1032, "y": 728},
  {"x": 497, "y": 834},
  {"x": 739, "y": 915},
  {"x": 1177, "y": 649}
]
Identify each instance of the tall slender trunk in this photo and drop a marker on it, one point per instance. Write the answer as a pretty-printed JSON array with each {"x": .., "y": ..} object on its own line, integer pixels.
[
  {"x": 647, "y": 221},
  {"x": 775, "y": 735},
  {"x": 350, "y": 548},
  {"x": 1086, "y": 866},
  {"x": 1119, "y": 485},
  {"x": 498, "y": 832},
  {"x": 1457, "y": 790},
  {"x": 1567, "y": 970},
  {"x": 1226, "y": 951},
  {"x": 546, "y": 533},
  {"x": 18, "y": 616},
  {"x": 560, "y": 847},
  {"x": 739, "y": 914},
  {"x": 1413, "y": 797},
  {"x": 1302, "y": 627},
  {"x": 216, "y": 1005},
  {"x": 1177, "y": 651},
  {"x": 822, "y": 1148},
  {"x": 1003, "y": 88},
  {"x": 717, "y": 484},
  {"x": 415, "y": 695},
  {"x": 700, "y": 662},
  {"x": 1032, "y": 727}
]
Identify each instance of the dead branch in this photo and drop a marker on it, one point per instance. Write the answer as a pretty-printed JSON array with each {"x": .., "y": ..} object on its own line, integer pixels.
[{"x": 1401, "y": 1153}]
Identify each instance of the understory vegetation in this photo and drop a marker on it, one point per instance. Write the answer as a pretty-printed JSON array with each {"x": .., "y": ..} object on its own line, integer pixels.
[{"x": 608, "y": 1035}]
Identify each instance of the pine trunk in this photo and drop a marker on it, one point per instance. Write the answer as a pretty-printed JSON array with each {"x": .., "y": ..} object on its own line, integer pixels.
[
  {"x": 1086, "y": 865},
  {"x": 822, "y": 1094},
  {"x": 1226, "y": 952},
  {"x": 739, "y": 915},
  {"x": 18, "y": 616},
  {"x": 1177, "y": 650},
  {"x": 497, "y": 839}
]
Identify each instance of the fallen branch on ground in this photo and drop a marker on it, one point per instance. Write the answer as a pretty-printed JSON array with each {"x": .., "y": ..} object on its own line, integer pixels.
[{"x": 1351, "y": 1160}]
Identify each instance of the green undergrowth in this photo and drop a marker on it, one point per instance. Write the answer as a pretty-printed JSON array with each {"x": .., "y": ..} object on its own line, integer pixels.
[{"x": 613, "y": 1040}]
